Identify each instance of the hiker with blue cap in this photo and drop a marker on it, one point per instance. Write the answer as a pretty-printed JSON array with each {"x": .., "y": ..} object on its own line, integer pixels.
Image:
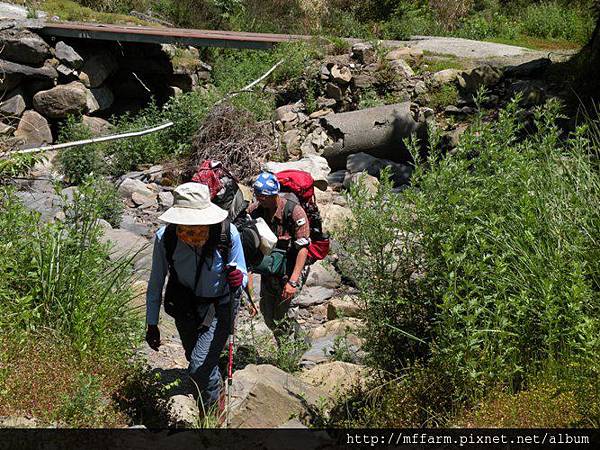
[{"x": 284, "y": 271}]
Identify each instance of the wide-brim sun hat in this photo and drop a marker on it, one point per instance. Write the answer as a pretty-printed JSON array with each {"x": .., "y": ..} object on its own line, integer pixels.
[{"x": 192, "y": 206}]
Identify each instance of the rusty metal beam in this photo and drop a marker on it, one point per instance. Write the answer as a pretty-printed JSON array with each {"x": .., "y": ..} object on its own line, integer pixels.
[{"x": 156, "y": 35}]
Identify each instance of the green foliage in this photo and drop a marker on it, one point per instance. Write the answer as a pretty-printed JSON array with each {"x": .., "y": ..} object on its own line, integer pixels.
[
  {"x": 369, "y": 99},
  {"x": 551, "y": 20},
  {"x": 16, "y": 165},
  {"x": 109, "y": 204},
  {"x": 78, "y": 162},
  {"x": 489, "y": 270},
  {"x": 445, "y": 95},
  {"x": 84, "y": 407},
  {"x": 57, "y": 277}
]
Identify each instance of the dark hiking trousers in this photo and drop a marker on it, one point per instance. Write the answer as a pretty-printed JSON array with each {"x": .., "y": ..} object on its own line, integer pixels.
[{"x": 203, "y": 346}]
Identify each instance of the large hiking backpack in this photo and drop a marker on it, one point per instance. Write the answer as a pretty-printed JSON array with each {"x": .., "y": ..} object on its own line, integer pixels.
[
  {"x": 297, "y": 187},
  {"x": 226, "y": 193}
]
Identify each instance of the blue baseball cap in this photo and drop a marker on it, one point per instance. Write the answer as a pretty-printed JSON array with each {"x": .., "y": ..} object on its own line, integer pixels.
[{"x": 266, "y": 184}]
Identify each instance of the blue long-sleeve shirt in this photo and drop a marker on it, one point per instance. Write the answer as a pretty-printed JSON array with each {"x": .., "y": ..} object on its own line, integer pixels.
[{"x": 212, "y": 282}]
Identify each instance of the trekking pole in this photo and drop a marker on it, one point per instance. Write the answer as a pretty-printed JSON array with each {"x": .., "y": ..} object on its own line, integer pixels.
[{"x": 230, "y": 268}]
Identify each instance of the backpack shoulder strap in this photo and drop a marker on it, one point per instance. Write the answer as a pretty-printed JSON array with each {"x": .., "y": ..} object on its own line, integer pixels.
[
  {"x": 170, "y": 243},
  {"x": 224, "y": 245},
  {"x": 288, "y": 211}
]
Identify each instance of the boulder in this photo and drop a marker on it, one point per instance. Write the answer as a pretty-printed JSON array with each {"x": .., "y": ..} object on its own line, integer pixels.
[
  {"x": 334, "y": 216},
  {"x": 45, "y": 203},
  {"x": 291, "y": 140},
  {"x": 13, "y": 71},
  {"x": 130, "y": 186},
  {"x": 62, "y": 101},
  {"x": 165, "y": 199},
  {"x": 370, "y": 183},
  {"x": 334, "y": 91},
  {"x": 126, "y": 244},
  {"x": 182, "y": 411},
  {"x": 13, "y": 105},
  {"x": 341, "y": 74},
  {"x": 66, "y": 74},
  {"x": 23, "y": 46},
  {"x": 379, "y": 131},
  {"x": 402, "y": 67},
  {"x": 99, "y": 67},
  {"x": 103, "y": 97},
  {"x": 336, "y": 378},
  {"x": 66, "y": 54},
  {"x": 315, "y": 142},
  {"x": 97, "y": 125},
  {"x": 312, "y": 296},
  {"x": 284, "y": 111},
  {"x": 363, "y": 81},
  {"x": 345, "y": 306},
  {"x": 364, "y": 53},
  {"x": 325, "y": 339},
  {"x": 445, "y": 76},
  {"x": 471, "y": 81},
  {"x": 33, "y": 130},
  {"x": 405, "y": 53},
  {"x": 315, "y": 165},
  {"x": 323, "y": 274},
  {"x": 264, "y": 396},
  {"x": 363, "y": 162}
]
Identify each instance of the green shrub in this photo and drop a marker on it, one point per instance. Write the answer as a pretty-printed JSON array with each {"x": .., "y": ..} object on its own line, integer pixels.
[
  {"x": 489, "y": 269},
  {"x": 110, "y": 206},
  {"x": 551, "y": 20},
  {"x": 78, "y": 162},
  {"x": 444, "y": 96},
  {"x": 58, "y": 277}
]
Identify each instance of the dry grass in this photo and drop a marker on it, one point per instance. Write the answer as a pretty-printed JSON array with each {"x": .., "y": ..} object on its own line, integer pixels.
[
  {"x": 543, "y": 406},
  {"x": 41, "y": 378},
  {"x": 232, "y": 136}
]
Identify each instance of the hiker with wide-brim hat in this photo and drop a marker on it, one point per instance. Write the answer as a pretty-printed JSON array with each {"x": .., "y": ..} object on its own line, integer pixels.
[{"x": 203, "y": 269}]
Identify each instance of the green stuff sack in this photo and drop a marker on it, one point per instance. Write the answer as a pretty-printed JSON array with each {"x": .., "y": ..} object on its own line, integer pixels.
[{"x": 273, "y": 264}]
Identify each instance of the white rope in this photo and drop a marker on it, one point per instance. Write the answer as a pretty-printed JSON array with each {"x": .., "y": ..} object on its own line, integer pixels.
[{"x": 96, "y": 140}]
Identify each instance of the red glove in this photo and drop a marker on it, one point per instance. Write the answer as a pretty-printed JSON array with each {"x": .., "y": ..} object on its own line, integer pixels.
[{"x": 235, "y": 278}]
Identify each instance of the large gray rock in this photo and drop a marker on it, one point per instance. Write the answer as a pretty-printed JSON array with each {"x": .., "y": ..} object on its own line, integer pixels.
[
  {"x": 402, "y": 67},
  {"x": 362, "y": 162},
  {"x": 14, "y": 70},
  {"x": 129, "y": 186},
  {"x": 126, "y": 244},
  {"x": 264, "y": 396},
  {"x": 471, "y": 81},
  {"x": 13, "y": 105},
  {"x": 315, "y": 165},
  {"x": 99, "y": 67},
  {"x": 66, "y": 54},
  {"x": 97, "y": 125},
  {"x": 336, "y": 378},
  {"x": 332, "y": 334},
  {"x": 23, "y": 46},
  {"x": 62, "y": 101},
  {"x": 33, "y": 130},
  {"x": 45, "y": 203},
  {"x": 340, "y": 307},
  {"x": 445, "y": 76},
  {"x": 364, "y": 53},
  {"x": 369, "y": 182},
  {"x": 323, "y": 274},
  {"x": 312, "y": 296},
  {"x": 378, "y": 131},
  {"x": 103, "y": 96}
]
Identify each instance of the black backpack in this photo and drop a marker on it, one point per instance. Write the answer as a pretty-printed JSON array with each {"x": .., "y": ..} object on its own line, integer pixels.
[{"x": 226, "y": 193}]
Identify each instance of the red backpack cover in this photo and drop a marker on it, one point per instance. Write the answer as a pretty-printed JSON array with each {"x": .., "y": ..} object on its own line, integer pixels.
[{"x": 301, "y": 184}]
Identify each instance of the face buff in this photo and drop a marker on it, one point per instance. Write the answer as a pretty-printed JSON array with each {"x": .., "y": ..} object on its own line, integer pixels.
[{"x": 195, "y": 235}]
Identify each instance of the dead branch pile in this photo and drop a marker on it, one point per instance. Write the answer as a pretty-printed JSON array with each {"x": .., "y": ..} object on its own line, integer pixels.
[{"x": 232, "y": 136}]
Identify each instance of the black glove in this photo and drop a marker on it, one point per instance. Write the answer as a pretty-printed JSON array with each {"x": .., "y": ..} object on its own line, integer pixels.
[{"x": 153, "y": 337}]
